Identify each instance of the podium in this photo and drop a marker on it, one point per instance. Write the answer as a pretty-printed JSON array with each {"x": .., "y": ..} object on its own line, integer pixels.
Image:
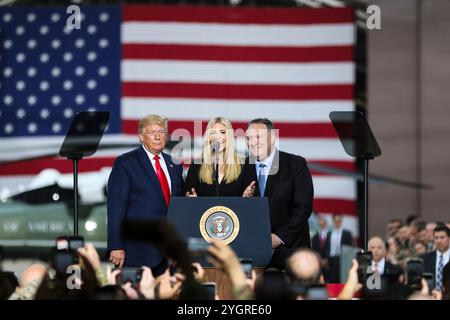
[{"x": 243, "y": 222}]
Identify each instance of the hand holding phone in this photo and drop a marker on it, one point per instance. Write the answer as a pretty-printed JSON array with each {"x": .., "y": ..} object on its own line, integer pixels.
[
  {"x": 129, "y": 274},
  {"x": 211, "y": 289},
  {"x": 364, "y": 259}
]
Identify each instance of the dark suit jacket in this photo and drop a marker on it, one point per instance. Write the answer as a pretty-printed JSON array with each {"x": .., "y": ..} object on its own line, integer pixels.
[
  {"x": 290, "y": 192},
  {"x": 346, "y": 238},
  {"x": 315, "y": 243},
  {"x": 134, "y": 192},
  {"x": 429, "y": 262},
  {"x": 391, "y": 272}
]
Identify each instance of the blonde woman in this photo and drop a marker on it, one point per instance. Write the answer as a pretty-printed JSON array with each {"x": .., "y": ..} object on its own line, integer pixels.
[{"x": 219, "y": 171}]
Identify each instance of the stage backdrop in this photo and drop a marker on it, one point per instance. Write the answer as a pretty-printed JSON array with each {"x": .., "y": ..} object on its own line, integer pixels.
[{"x": 293, "y": 66}]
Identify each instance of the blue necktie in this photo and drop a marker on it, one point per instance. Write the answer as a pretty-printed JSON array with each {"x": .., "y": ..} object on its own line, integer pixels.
[
  {"x": 439, "y": 273},
  {"x": 261, "y": 178}
]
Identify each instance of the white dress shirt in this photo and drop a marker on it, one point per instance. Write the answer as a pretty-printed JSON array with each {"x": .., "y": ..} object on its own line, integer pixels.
[
  {"x": 335, "y": 242},
  {"x": 438, "y": 256},
  {"x": 151, "y": 156},
  {"x": 381, "y": 265}
]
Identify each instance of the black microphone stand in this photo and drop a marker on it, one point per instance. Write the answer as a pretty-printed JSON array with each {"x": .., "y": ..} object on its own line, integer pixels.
[{"x": 216, "y": 173}]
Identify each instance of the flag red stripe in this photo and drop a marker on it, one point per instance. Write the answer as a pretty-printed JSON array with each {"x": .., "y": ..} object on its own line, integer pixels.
[
  {"x": 342, "y": 165},
  {"x": 232, "y": 91},
  {"x": 211, "y": 14},
  {"x": 348, "y": 207},
  {"x": 28, "y": 167},
  {"x": 286, "y": 130},
  {"x": 243, "y": 54}
]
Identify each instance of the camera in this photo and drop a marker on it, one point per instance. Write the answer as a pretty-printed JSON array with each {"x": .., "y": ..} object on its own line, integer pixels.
[
  {"x": 62, "y": 259},
  {"x": 64, "y": 253},
  {"x": 211, "y": 290},
  {"x": 247, "y": 265},
  {"x": 197, "y": 246},
  {"x": 129, "y": 274},
  {"x": 364, "y": 259},
  {"x": 414, "y": 273}
]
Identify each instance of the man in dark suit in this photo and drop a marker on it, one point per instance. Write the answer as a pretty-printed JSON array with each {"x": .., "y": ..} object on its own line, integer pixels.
[
  {"x": 139, "y": 188},
  {"x": 435, "y": 261},
  {"x": 286, "y": 181},
  {"x": 336, "y": 238},
  {"x": 319, "y": 240},
  {"x": 387, "y": 270}
]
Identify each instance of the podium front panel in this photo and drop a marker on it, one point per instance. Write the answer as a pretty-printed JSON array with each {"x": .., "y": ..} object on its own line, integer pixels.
[{"x": 253, "y": 239}]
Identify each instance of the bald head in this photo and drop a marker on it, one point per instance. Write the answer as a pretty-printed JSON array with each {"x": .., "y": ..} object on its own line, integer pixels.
[
  {"x": 378, "y": 248},
  {"x": 35, "y": 271},
  {"x": 304, "y": 267}
]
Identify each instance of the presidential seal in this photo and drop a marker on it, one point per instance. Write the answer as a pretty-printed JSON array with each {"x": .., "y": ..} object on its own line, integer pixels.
[{"x": 219, "y": 223}]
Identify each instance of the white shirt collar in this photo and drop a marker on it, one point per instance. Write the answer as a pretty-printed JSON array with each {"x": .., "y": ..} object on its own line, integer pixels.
[{"x": 446, "y": 255}]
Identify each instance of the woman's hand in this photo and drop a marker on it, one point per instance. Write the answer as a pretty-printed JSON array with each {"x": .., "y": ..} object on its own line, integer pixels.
[
  {"x": 191, "y": 193},
  {"x": 250, "y": 190}
]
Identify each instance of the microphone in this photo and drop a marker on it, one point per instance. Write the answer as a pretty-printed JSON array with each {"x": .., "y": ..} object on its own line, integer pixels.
[{"x": 215, "y": 147}]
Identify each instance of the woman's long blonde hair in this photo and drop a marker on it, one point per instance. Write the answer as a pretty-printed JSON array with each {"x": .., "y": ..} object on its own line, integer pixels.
[{"x": 233, "y": 163}]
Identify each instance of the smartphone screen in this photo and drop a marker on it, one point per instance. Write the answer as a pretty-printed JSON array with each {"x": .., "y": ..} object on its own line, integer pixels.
[
  {"x": 247, "y": 265},
  {"x": 76, "y": 242},
  {"x": 129, "y": 274},
  {"x": 63, "y": 259},
  {"x": 198, "y": 246},
  {"x": 317, "y": 293},
  {"x": 211, "y": 290},
  {"x": 414, "y": 273},
  {"x": 62, "y": 243}
]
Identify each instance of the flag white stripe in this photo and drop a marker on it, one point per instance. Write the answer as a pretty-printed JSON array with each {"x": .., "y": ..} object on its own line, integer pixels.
[
  {"x": 334, "y": 187},
  {"x": 316, "y": 149},
  {"x": 236, "y": 110},
  {"x": 237, "y": 72},
  {"x": 238, "y": 34}
]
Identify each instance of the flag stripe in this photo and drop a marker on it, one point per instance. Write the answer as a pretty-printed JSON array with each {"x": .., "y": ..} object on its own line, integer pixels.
[
  {"x": 236, "y": 72},
  {"x": 30, "y": 167},
  {"x": 297, "y": 130},
  {"x": 237, "y": 15},
  {"x": 325, "y": 187},
  {"x": 237, "y": 34},
  {"x": 241, "y": 91},
  {"x": 277, "y": 111},
  {"x": 233, "y": 53},
  {"x": 335, "y": 205},
  {"x": 349, "y": 166}
]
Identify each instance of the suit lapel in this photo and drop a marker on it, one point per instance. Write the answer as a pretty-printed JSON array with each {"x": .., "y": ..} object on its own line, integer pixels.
[
  {"x": 252, "y": 174},
  {"x": 150, "y": 172},
  {"x": 170, "y": 168}
]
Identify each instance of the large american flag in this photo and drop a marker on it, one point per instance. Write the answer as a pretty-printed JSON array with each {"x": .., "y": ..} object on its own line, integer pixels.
[{"x": 293, "y": 66}]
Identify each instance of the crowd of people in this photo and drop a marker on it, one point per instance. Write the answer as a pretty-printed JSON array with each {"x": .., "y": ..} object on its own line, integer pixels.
[{"x": 304, "y": 277}]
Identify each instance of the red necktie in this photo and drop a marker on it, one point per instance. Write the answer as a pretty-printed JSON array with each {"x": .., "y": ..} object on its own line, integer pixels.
[
  {"x": 162, "y": 180},
  {"x": 322, "y": 242}
]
